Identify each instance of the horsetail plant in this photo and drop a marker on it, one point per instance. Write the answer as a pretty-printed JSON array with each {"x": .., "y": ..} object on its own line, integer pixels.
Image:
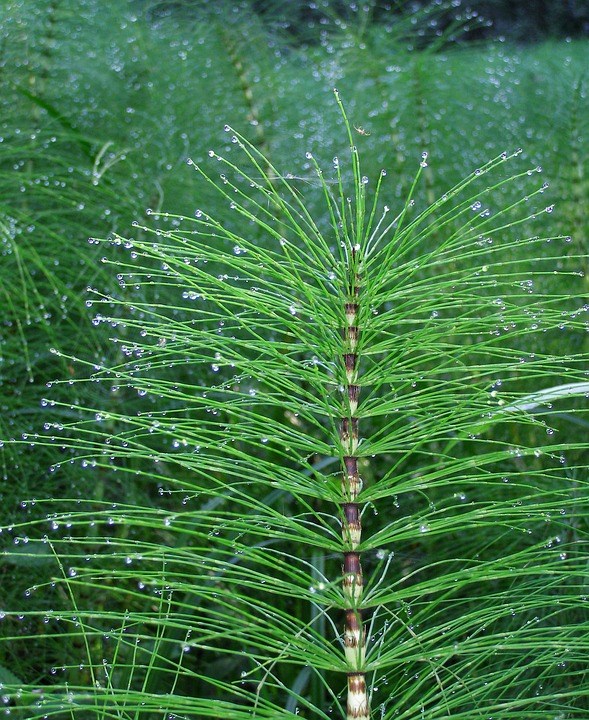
[{"x": 292, "y": 374}]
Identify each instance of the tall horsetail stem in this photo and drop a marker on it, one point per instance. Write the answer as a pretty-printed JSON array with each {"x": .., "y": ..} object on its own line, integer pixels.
[{"x": 354, "y": 631}]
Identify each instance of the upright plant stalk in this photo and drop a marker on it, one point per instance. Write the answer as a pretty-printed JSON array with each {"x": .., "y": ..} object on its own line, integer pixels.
[{"x": 355, "y": 633}]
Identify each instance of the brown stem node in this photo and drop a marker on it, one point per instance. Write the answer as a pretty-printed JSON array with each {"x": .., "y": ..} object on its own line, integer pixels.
[
  {"x": 349, "y": 435},
  {"x": 357, "y": 706},
  {"x": 353, "y": 581}
]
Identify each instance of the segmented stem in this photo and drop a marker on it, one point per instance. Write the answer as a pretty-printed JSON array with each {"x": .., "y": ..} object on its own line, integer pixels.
[{"x": 354, "y": 630}]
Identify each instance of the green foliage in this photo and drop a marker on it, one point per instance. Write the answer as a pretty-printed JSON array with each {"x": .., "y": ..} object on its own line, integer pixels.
[
  {"x": 253, "y": 448},
  {"x": 172, "y": 525}
]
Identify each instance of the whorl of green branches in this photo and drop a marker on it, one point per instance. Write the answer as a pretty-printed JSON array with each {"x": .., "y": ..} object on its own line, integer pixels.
[{"x": 223, "y": 596}]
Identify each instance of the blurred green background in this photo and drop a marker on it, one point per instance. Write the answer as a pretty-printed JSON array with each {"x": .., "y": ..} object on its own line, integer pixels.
[{"x": 102, "y": 104}]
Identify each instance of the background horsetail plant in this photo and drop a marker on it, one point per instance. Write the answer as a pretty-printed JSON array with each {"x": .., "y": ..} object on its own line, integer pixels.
[{"x": 306, "y": 364}]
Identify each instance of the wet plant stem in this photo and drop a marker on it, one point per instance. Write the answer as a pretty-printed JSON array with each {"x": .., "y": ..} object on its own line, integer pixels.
[{"x": 354, "y": 630}]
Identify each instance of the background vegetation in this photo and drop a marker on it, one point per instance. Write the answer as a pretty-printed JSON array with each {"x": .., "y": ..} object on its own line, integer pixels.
[{"x": 101, "y": 106}]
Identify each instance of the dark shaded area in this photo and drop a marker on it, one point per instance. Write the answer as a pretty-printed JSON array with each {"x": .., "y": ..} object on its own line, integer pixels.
[
  {"x": 307, "y": 22},
  {"x": 533, "y": 20}
]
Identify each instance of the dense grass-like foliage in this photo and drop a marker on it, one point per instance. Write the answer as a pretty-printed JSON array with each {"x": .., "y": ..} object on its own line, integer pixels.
[{"x": 171, "y": 519}]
